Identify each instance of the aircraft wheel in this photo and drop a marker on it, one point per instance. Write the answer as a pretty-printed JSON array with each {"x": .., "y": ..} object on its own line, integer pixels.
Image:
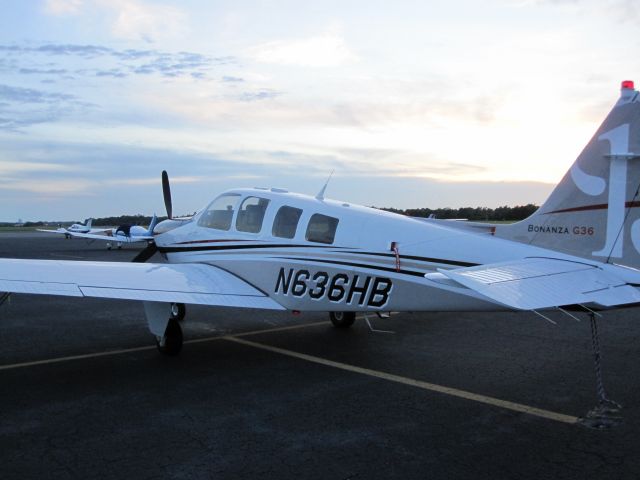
[
  {"x": 178, "y": 311},
  {"x": 342, "y": 319},
  {"x": 108, "y": 246},
  {"x": 171, "y": 343},
  {"x": 119, "y": 247}
]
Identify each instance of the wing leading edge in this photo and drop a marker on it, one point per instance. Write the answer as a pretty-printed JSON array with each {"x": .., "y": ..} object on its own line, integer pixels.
[
  {"x": 537, "y": 283},
  {"x": 181, "y": 283}
]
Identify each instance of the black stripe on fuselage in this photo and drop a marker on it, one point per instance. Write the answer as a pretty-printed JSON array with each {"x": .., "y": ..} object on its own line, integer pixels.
[
  {"x": 202, "y": 248},
  {"x": 359, "y": 265},
  {"x": 422, "y": 259},
  {"x": 442, "y": 261}
]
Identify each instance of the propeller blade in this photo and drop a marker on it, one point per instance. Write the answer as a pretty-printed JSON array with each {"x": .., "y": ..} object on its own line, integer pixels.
[
  {"x": 146, "y": 253},
  {"x": 166, "y": 191}
]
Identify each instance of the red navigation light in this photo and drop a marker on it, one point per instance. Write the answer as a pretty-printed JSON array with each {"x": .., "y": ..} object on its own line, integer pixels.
[{"x": 627, "y": 84}]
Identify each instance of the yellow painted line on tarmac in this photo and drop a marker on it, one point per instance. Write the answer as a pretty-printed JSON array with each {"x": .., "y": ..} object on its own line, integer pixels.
[
  {"x": 76, "y": 357},
  {"x": 454, "y": 392},
  {"x": 122, "y": 351},
  {"x": 280, "y": 329}
]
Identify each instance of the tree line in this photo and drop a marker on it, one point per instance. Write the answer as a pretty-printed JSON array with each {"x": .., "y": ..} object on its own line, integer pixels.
[{"x": 505, "y": 213}]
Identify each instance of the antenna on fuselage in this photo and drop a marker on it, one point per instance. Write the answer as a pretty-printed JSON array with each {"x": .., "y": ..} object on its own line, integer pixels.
[{"x": 320, "y": 195}]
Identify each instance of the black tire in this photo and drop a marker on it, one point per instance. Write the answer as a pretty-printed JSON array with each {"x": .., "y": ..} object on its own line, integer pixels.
[
  {"x": 172, "y": 339},
  {"x": 342, "y": 319},
  {"x": 178, "y": 311}
]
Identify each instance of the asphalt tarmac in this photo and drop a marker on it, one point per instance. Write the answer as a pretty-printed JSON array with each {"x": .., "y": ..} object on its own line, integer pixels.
[{"x": 254, "y": 394}]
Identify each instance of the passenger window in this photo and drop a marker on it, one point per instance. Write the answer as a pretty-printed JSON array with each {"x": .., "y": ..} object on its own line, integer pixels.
[
  {"x": 251, "y": 214},
  {"x": 321, "y": 229},
  {"x": 219, "y": 213},
  {"x": 286, "y": 222}
]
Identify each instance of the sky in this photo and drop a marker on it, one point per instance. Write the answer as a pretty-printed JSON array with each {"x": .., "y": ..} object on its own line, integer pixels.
[{"x": 409, "y": 103}]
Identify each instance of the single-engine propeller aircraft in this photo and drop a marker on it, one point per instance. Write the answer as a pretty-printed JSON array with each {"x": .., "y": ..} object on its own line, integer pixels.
[
  {"x": 75, "y": 229},
  {"x": 272, "y": 249},
  {"x": 124, "y": 234}
]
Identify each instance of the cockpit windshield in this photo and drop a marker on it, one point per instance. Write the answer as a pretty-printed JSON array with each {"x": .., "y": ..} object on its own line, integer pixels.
[{"x": 219, "y": 213}]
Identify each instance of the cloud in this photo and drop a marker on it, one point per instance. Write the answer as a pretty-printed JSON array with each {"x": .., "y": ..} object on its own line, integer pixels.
[
  {"x": 21, "y": 107},
  {"x": 63, "y": 7},
  {"x": 40, "y": 71},
  {"x": 96, "y": 58},
  {"x": 623, "y": 10},
  {"x": 257, "y": 96},
  {"x": 326, "y": 50},
  {"x": 230, "y": 79},
  {"x": 30, "y": 95},
  {"x": 13, "y": 168},
  {"x": 136, "y": 20},
  {"x": 87, "y": 51},
  {"x": 128, "y": 19}
]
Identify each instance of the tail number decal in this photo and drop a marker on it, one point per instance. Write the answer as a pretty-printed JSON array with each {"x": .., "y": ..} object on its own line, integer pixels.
[{"x": 337, "y": 288}]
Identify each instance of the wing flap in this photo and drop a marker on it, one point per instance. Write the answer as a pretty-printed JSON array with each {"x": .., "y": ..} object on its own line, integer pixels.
[
  {"x": 536, "y": 283},
  {"x": 184, "y": 283}
]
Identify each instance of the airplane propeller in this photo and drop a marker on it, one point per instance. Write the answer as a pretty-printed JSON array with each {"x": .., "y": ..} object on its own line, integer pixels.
[
  {"x": 146, "y": 253},
  {"x": 166, "y": 191},
  {"x": 150, "y": 250}
]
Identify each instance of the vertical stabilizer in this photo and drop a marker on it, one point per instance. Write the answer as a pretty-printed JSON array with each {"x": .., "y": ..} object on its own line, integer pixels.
[
  {"x": 152, "y": 225},
  {"x": 89, "y": 220},
  {"x": 594, "y": 211}
]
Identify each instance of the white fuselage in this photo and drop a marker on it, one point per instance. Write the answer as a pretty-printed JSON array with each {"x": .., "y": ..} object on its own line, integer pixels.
[
  {"x": 358, "y": 270},
  {"x": 78, "y": 228}
]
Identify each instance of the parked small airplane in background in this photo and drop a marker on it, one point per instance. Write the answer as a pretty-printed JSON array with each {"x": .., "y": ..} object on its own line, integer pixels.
[
  {"x": 124, "y": 234},
  {"x": 75, "y": 229},
  {"x": 119, "y": 236},
  {"x": 271, "y": 249}
]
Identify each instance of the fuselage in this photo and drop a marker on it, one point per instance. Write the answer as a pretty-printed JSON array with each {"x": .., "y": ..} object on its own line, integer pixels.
[
  {"x": 78, "y": 228},
  {"x": 325, "y": 255}
]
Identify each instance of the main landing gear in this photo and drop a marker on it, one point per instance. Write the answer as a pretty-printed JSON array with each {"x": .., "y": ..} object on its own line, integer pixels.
[
  {"x": 178, "y": 311},
  {"x": 171, "y": 342},
  {"x": 164, "y": 320},
  {"x": 342, "y": 319}
]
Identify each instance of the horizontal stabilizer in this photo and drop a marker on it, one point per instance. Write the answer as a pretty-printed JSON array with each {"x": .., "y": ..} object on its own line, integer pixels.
[
  {"x": 537, "y": 283},
  {"x": 180, "y": 283}
]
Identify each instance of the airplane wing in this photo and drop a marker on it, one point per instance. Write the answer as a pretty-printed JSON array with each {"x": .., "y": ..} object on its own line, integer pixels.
[
  {"x": 59, "y": 230},
  {"x": 181, "y": 283},
  {"x": 113, "y": 238},
  {"x": 537, "y": 283}
]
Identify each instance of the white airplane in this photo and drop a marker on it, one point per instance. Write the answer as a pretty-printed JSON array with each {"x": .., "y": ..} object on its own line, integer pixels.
[
  {"x": 124, "y": 234},
  {"x": 272, "y": 249},
  {"x": 75, "y": 229}
]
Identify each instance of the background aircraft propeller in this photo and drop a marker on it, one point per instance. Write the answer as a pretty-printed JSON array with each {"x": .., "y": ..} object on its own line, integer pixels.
[
  {"x": 166, "y": 191},
  {"x": 150, "y": 250}
]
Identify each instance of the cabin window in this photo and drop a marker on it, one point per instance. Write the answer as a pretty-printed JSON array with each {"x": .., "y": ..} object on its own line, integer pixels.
[
  {"x": 219, "y": 213},
  {"x": 286, "y": 222},
  {"x": 251, "y": 214},
  {"x": 321, "y": 229}
]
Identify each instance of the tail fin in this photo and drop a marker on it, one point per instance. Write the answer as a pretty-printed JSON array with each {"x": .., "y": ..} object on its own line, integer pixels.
[
  {"x": 593, "y": 212},
  {"x": 152, "y": 225},
  {"x": 89, "y": 220}
]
